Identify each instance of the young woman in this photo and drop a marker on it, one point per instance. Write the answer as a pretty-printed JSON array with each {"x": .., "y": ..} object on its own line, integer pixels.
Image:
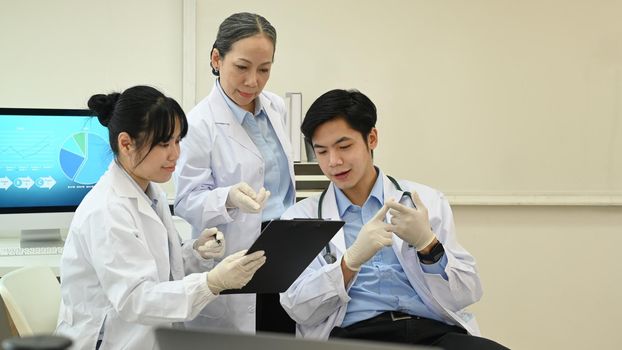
[
  {"x": 236, "y": 170},
  {"x": 124, "y": 267}
]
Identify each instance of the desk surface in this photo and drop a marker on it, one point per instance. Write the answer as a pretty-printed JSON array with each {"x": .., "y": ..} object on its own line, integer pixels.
[{"x": 10, "y": 263}]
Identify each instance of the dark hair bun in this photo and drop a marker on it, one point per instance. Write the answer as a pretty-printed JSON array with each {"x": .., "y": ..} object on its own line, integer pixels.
[{"x": 103, "y": 106}]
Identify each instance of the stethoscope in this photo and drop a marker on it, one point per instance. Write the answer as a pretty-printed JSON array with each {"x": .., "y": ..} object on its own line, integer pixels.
[{"x": 328, "y": 255}]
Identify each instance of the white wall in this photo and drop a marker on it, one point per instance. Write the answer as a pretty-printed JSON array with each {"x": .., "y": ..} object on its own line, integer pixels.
[
  {"x": 551, "y": 274},
  {"x": 58, "y": 53}
]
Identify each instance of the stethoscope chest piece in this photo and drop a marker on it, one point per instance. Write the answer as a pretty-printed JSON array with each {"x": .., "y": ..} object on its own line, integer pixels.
[{"x": 329, "y": 257}]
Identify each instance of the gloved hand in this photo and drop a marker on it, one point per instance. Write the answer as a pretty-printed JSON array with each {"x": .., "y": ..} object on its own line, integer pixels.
[
  {"x": 244, "y": 197},
  {"x": 234, "y": 271},
  {"x": 374, "y": 235},
  {"x": 210, "y": 244},
  {"x": 411, "y": 224}
]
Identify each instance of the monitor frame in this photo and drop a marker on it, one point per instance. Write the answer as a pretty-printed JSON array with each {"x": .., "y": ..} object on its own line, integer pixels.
[{"x": 43, "y": 112}]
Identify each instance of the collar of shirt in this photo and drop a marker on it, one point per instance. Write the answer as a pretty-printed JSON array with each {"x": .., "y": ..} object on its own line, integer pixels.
[
  {"x": 377, "y": 192},
  {"x": 238, "y": 111},
  {"x": 151, "y": 194}
]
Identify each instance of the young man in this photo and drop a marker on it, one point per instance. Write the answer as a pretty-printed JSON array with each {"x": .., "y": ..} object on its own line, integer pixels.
[{"x": 395, "y": 272}]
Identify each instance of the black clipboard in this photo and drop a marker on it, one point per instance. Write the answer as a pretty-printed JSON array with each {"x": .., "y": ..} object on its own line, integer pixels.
[{"x": 290, "y": 246}]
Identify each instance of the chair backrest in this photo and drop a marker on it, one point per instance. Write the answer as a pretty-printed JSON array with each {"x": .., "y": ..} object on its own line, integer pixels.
[{"x": 32, "y": 298}]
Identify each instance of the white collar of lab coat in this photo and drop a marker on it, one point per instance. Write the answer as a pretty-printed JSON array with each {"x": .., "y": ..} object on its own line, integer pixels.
[
  {"x": 330, "y": 211},
  {"x": 224, "y": 116},
  {"x": 125, "y": 188}
]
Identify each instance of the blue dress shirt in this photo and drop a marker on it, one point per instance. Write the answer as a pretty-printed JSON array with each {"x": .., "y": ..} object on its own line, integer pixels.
[
  {"x": 277, "y": 179},
  {"x": 381, "y": 284}
]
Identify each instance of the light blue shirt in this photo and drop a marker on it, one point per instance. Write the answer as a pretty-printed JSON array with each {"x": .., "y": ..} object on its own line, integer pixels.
[
  {"x": 277, "y": 179},
  {"x": 381, "y": 284}
]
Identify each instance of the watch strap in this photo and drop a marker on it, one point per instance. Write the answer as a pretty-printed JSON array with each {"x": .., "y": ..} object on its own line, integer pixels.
[{"x": 435, "y": 254}]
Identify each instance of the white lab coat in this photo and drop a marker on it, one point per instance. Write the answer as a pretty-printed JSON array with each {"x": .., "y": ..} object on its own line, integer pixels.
[
  {"x": 216, "y": 154},
  {"x": 317, "y": 300},
  {"x": 117, "y": 266}
]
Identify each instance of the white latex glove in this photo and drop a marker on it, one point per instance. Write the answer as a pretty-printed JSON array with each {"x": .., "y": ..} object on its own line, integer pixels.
[
  {"x": 244, "y": 197},
  {"x": 234, "y": 271},
  {"x": 374, "y": 235},
  {"x": 210, "y": 244},
  {"x": 411, "y": 224}
]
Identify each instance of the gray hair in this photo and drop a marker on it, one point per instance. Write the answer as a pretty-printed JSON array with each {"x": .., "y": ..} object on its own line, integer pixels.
[{"x": 239, "y": 26}]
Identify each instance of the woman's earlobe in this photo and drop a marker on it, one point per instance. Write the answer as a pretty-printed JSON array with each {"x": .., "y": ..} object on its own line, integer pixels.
[
  {"x": 214, "y": 58},
  {"x": 125, "y": 141}
]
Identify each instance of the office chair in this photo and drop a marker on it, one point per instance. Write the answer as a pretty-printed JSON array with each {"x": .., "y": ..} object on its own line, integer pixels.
[{"x": 32, "y": 298}]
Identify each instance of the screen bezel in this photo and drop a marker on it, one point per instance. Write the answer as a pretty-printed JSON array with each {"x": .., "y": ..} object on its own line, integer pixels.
[{"x": 43, "y": 112}]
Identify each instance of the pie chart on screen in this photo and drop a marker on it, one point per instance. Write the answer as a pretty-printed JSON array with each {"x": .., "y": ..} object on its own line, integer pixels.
[{"x": 84, "y": 157}]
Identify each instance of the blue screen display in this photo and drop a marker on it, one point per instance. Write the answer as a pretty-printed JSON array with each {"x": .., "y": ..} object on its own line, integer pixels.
[{"x": 49, "y": 158}]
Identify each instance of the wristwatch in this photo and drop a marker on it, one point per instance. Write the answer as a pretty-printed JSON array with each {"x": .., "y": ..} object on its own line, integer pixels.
[{"x": 435, "y": 254}]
